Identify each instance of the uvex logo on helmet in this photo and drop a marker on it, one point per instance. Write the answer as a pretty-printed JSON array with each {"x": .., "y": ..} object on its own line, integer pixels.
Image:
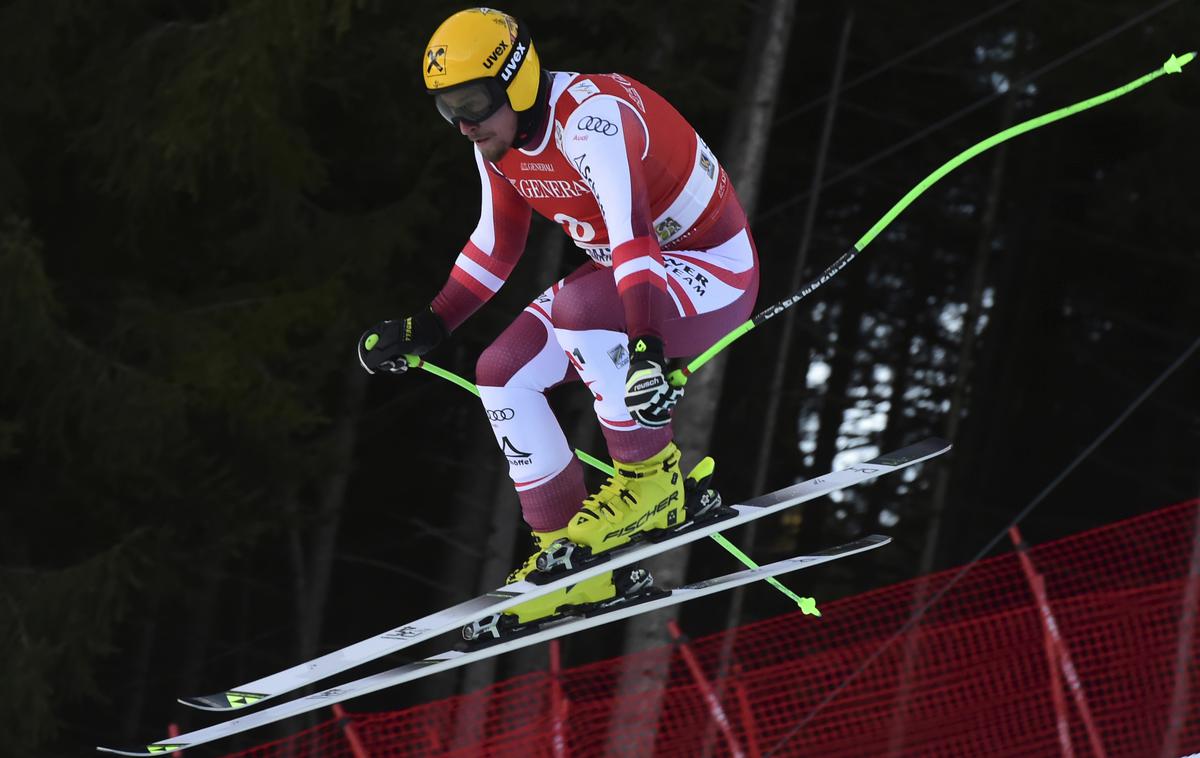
[
  {"x": 495, "y": 55},
  {"x": 514, "y": 62}
]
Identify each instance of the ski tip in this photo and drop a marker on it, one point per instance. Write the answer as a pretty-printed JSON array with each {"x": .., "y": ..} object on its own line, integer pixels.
[
  {"x": 223, "y": 701},
  {"x": 870, "y": 542},
  {"x": 158, "y": 748},
  {"x": 926, "y": 448}
]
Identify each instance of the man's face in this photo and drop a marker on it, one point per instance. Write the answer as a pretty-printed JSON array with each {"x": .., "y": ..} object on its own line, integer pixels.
[{"x": 494, "y": 135}]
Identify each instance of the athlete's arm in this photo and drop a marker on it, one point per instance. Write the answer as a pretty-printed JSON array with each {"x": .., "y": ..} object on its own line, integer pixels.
[
  {"x": 606, "y": 141},
  {"x": 491, "y": 253}
]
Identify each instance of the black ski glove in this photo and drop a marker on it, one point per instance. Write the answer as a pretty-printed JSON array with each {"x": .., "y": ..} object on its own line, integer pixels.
[
  {"x": 648, "y": 394},
  {"x": 383, "y": 346}
]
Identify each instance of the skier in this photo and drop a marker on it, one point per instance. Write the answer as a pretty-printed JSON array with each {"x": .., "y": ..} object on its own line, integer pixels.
[{"x": 672, "y": 268}]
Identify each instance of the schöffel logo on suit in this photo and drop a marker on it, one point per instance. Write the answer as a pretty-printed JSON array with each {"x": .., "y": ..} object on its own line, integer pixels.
[
  {"x": 598, "y": 125},
  {"x": 515, "y": 457},
  {"x": 503, "y": 414},
  {"x": 514, "y": 62}
]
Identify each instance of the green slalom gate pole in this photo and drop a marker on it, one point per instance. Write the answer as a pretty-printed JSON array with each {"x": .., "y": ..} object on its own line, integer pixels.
[
  {"x": 678, "y": 378},
  {"x": 1174, "y": 65}
]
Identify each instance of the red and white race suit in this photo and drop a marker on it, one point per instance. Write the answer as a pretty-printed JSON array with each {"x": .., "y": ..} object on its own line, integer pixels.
[{"x": 638, "y": 190}]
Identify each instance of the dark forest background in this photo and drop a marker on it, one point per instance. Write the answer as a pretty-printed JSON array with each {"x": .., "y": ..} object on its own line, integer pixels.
[{"x": 203, "y": 204}]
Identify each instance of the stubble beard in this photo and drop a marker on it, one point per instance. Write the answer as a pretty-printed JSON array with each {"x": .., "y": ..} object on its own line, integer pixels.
[{"x": 494, "y": 154}]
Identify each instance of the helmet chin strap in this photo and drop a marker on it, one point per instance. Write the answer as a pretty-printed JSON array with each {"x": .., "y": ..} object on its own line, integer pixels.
[{"x": 531, "y": 120}]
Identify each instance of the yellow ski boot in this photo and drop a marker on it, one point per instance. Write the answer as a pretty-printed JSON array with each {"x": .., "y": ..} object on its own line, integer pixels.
[
  {"x": 639, "y": 497},
  {"x": 587, "y": 594},
  {"x": 701, "y": 506}
]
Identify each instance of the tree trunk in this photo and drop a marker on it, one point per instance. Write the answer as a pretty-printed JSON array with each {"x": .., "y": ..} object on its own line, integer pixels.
[
  {"x": 499, "y": 558},
  {"x": 319, "y": 566},
  {"x": 202, "y": 606},
  {"x": 503, "y": 549},
  {"x": 140, "y": 673},
  {"x": 639, "y": 685},
  {"x": 954, "y": 417},
  {"x": 775, "y": 394},
  {"x": 904, "y": 313},
  {"x": 1184, "y": 644},
  {"x": 465, "y": 545},
  {"x": 842, "y": 364},
  {"x": 313, "y": 559}
]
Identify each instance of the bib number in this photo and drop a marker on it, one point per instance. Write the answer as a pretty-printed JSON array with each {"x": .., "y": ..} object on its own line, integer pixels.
[{"x": 580, "y": 231}]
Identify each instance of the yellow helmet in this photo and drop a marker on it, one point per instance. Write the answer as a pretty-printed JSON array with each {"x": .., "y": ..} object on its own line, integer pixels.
[{"x": 477, "y": 60}]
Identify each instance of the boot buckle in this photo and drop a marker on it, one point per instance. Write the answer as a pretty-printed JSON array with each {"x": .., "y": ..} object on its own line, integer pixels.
[
  {"x": 562, "y": 556},
  {"x": 488, "y": 626}
]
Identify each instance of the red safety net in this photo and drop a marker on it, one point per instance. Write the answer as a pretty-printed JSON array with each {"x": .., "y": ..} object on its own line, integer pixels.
[{"x": 1107, "y": 663}]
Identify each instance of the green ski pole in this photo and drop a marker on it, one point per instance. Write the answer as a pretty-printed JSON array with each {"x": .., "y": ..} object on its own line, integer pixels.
[
  {"x": 806, "y": 604},
  {"x": 678, "y": 378},
  {"x": 1173, "y": 65}
]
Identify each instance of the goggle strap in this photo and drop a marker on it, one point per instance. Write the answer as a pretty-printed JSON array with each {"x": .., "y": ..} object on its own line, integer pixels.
[{"x": 506, "y": 75}]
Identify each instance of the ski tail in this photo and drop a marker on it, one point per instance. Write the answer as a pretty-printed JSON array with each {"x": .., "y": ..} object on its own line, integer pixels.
[{"x": 224, "y": 701}]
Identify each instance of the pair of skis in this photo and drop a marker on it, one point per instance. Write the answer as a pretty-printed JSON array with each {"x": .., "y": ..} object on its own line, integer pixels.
[{"x": 510, "y": 595}]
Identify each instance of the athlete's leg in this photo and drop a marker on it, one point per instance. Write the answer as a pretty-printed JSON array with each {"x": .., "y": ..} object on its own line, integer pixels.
[
  {"x": 708, "y": 301},
  {"x": 590, "y": 325},
  {"x": 513, "y": 375},
  {"x": 713, "y": 290},
  {"x": 646, "y": 491}
]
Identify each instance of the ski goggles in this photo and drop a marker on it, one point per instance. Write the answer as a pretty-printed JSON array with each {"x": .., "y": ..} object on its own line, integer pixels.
[{"x": 472, "y": 101}]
